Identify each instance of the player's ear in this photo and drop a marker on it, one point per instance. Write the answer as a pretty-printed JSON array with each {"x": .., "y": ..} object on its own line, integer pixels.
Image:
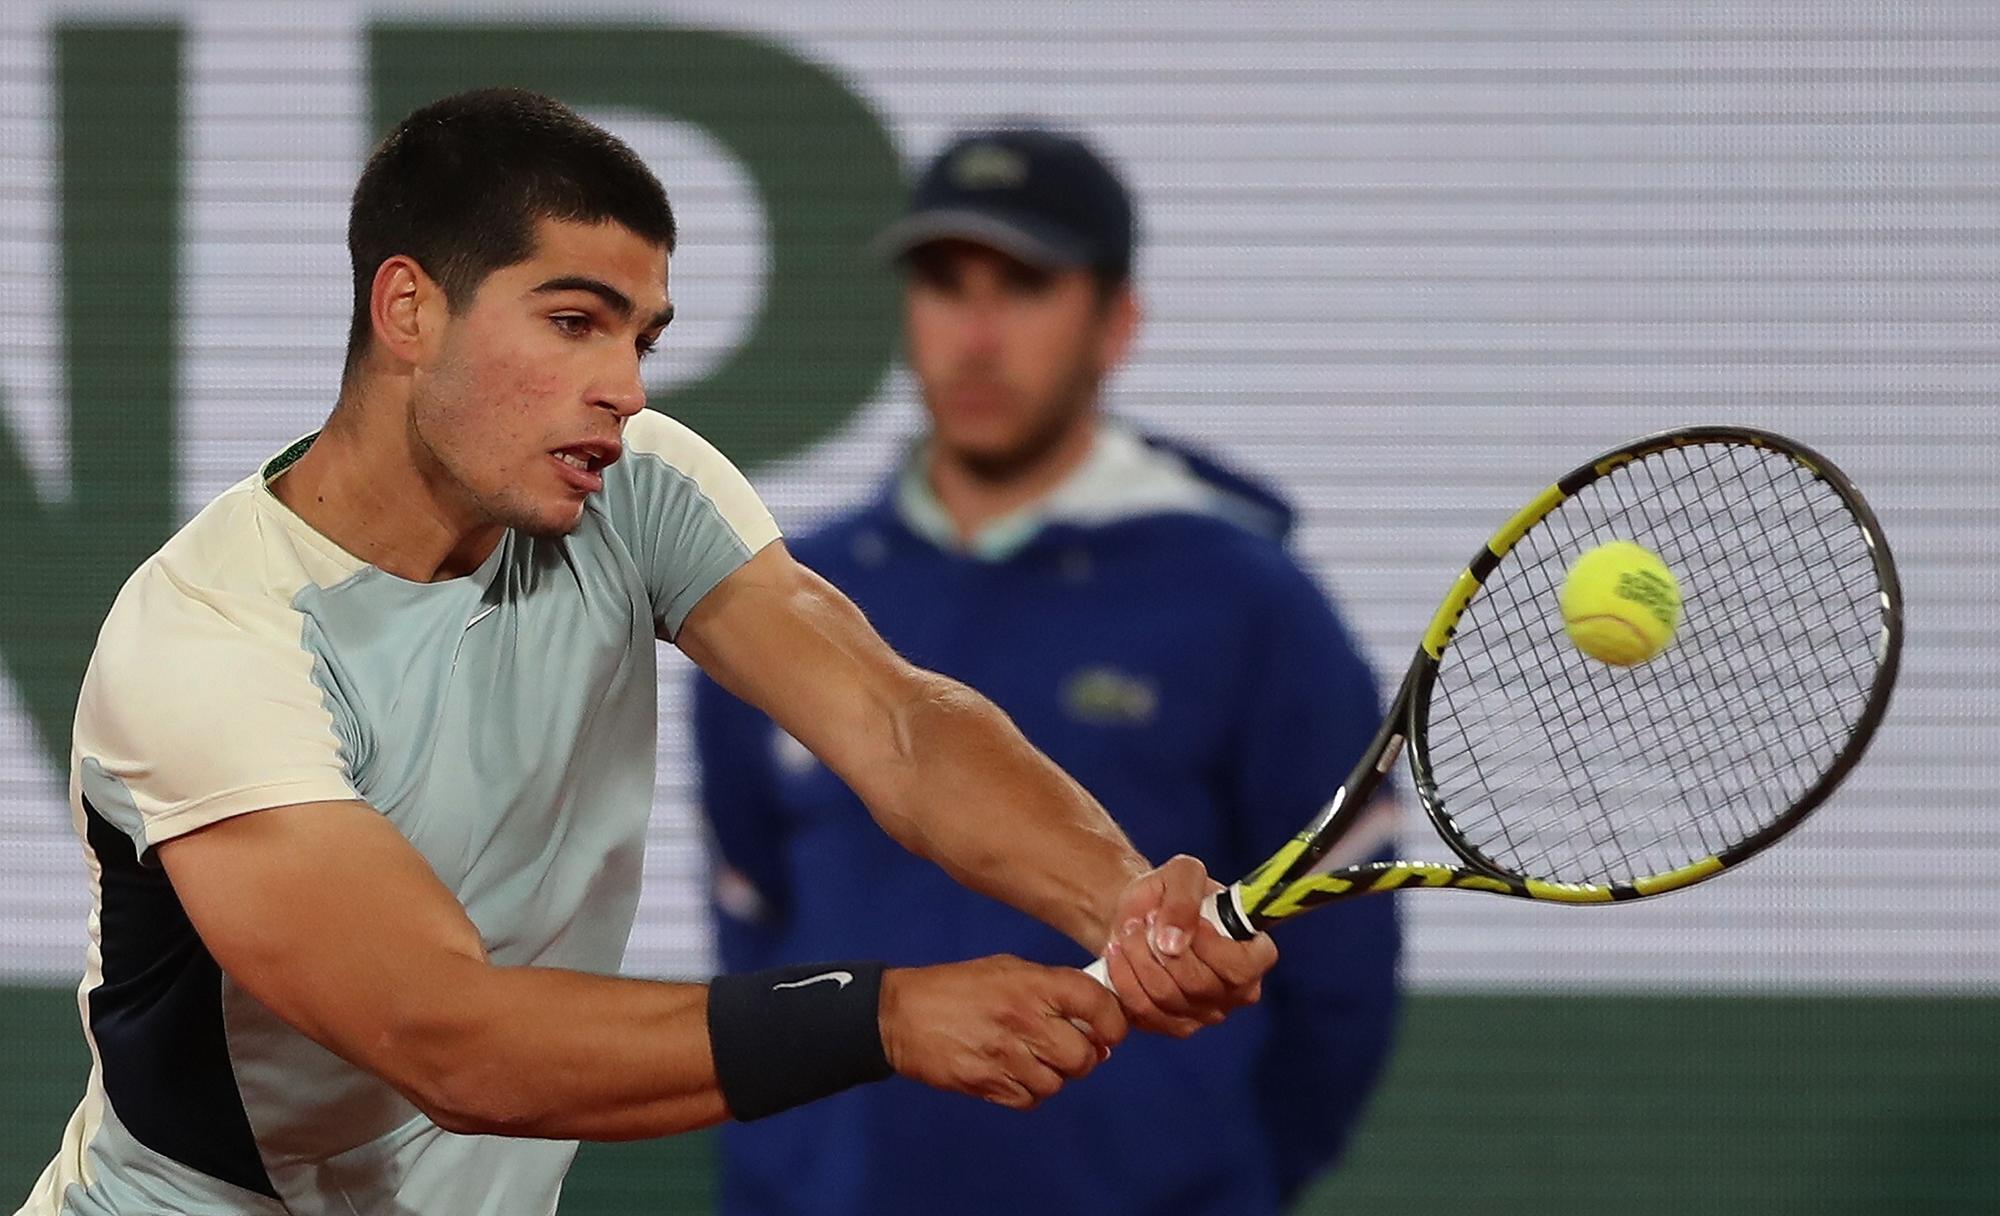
[
  {"x": 407, "y": 310},
  {"x": 1121, "y": 323}
]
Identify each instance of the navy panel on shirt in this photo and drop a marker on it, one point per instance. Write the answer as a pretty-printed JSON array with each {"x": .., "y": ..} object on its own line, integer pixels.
[{"x": 157, "y": 1021}]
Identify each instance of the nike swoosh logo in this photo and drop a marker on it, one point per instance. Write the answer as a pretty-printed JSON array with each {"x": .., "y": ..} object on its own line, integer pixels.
[
  {"x": 481, "y": 615},
  {"x": 842, "y": 978}
]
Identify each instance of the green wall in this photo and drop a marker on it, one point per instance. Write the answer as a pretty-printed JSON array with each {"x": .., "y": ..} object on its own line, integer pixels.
[{"x": 1767, "y": 1105}]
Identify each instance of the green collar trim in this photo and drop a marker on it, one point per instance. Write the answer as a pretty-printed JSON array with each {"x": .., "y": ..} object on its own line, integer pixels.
[{"x": 287, "y": 458}]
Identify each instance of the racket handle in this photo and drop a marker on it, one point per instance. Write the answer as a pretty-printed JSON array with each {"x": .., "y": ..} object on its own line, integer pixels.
[{"x": 1211, "y": 911}]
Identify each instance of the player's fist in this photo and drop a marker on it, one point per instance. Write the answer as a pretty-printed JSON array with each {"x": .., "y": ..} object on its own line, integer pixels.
[
  {"x": 999, "y": 1028},
  {"x": 1172, "y": 971}
]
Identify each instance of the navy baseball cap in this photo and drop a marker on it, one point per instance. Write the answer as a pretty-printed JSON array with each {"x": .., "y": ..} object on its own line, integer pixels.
[{"x": 1033, "y": 193}]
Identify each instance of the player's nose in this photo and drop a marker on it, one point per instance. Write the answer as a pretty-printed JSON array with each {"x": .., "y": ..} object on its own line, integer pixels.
[
  {"x": 979, "y": 331},
  {"x": 622, "y": 391}
]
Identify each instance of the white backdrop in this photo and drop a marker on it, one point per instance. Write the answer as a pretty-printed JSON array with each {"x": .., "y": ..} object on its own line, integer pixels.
[{"x": 1406, "y": 259}]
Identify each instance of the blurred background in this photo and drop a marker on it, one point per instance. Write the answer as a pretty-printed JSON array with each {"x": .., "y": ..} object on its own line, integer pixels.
[{"x": 1408, "y": 260}]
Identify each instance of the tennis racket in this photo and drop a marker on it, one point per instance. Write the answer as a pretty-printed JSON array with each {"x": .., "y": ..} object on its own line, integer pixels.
[{"x": 1555, "y": 777}]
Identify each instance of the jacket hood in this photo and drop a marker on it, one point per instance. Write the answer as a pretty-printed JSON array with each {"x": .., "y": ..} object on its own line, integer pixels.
[{"x": 1128, "y": 475}]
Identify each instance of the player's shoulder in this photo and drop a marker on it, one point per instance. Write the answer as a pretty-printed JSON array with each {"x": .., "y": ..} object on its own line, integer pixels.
[
  {"x": 649, "y": 434},
  {"x": 652, "y": 432},
  {"x": 237, "y": 567},
  {"x": 667, "y": 466}
]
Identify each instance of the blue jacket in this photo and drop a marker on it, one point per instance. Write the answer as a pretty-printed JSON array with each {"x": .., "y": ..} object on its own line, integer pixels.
[{"x": 1151, "y": 634}]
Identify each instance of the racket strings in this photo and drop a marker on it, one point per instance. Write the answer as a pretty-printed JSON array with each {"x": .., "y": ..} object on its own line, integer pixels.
[
  {"x": 1743, "y": 519},
  {"x": 1749, "y": 525},
  {"x": 1552, "y": 765}
]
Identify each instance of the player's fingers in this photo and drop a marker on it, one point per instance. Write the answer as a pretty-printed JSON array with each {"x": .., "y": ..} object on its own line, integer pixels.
[
  {"x": 1201, "y": 987},
  {"x": 1165, "y": 979},
  {"x": 1036, "y": 1077},
  {"x": 1237, "y": 965},
  {"x": 1087, "y": 1005},
  {"x": 1005, "y": 1090},
  {"x": 1147, "y": 971},
  {"x": 1065, "y": 1048},
  {"x": 1141, "y": 1007},
  {"x": 1131, "y": 993}
]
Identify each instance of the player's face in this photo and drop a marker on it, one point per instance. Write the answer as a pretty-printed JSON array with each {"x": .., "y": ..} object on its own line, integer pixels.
[
  {"x": 1009, "y": 356},
  {"x": 523, "y": 408}
]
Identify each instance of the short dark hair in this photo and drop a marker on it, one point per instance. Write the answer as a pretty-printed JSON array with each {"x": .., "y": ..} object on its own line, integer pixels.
[{"x": 460, "y": 184}]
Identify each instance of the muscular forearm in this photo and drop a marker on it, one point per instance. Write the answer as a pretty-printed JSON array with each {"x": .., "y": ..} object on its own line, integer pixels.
[
  {"x": 530, "y": 1051},
  {"x": 939, "y": 766},
  {"x": 974, "y": 796}
]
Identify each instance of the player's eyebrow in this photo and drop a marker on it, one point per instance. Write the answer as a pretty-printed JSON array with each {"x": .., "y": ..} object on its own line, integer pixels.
[{"x": 613, "y": 298}]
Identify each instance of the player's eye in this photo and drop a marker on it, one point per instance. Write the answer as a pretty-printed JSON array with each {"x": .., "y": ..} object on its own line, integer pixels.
[
  {"x": 647, "y": 346},
  {"x": 1027, "y": 282},
  {"x": 572, "y": 325},
  {"x": 936, "y": 274}
]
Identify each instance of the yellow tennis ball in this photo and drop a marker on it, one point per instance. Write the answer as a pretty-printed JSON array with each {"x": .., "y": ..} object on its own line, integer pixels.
[{"x": 1620, "y": 603}]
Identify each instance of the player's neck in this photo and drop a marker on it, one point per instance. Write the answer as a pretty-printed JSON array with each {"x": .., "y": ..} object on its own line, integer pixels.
[
  {"x": 362, "y": 487},
  {"x": 973, "y": 498}
]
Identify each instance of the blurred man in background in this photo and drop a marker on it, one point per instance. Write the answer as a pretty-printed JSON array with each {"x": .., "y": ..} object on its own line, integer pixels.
[{"x": 1134, "y": 608}]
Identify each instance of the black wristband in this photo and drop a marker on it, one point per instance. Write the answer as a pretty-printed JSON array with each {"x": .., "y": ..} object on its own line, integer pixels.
[{"x": 794, "y": 1034}]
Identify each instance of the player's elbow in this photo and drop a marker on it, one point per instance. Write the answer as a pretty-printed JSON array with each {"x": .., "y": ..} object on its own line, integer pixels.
[
  {"x": 473, "y": 1097},
  {"x": 439, "y": 1054},
  {"x": 472, "y": 1101}
]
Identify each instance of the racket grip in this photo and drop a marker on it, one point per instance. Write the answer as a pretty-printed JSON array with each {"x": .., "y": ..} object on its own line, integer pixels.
[{"x": 1211, "y": 911}]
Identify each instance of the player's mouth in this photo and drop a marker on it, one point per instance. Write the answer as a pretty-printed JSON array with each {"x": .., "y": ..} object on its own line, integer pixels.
[
  {"x": 978, "y": 399},
  {"x": 582, "y": 465}
]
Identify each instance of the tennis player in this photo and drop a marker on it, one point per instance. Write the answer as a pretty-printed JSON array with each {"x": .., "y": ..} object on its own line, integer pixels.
[{"x": 364, "y": 756}]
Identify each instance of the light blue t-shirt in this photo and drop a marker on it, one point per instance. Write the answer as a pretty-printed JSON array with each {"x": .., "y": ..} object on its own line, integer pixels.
[{"x": 503, "y": 721}]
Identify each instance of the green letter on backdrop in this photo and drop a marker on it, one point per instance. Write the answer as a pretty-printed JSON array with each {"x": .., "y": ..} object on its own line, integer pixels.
[
  {"x": 825, "y": 168},
  {"x": 118, "y": 94}
]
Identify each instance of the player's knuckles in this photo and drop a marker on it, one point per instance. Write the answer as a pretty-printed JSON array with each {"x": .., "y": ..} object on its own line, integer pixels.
[
  {"x": 997, "y": 1048},
  {"x": 1016, "y": 1019}
]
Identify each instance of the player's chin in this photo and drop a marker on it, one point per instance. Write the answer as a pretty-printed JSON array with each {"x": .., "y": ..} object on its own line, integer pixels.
[
  {"x": 561, "y": 521},
  {"x": 992, "y": 428},
  {"x": 559, "y": 515},
  {"x": 992, "y": 452}
]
